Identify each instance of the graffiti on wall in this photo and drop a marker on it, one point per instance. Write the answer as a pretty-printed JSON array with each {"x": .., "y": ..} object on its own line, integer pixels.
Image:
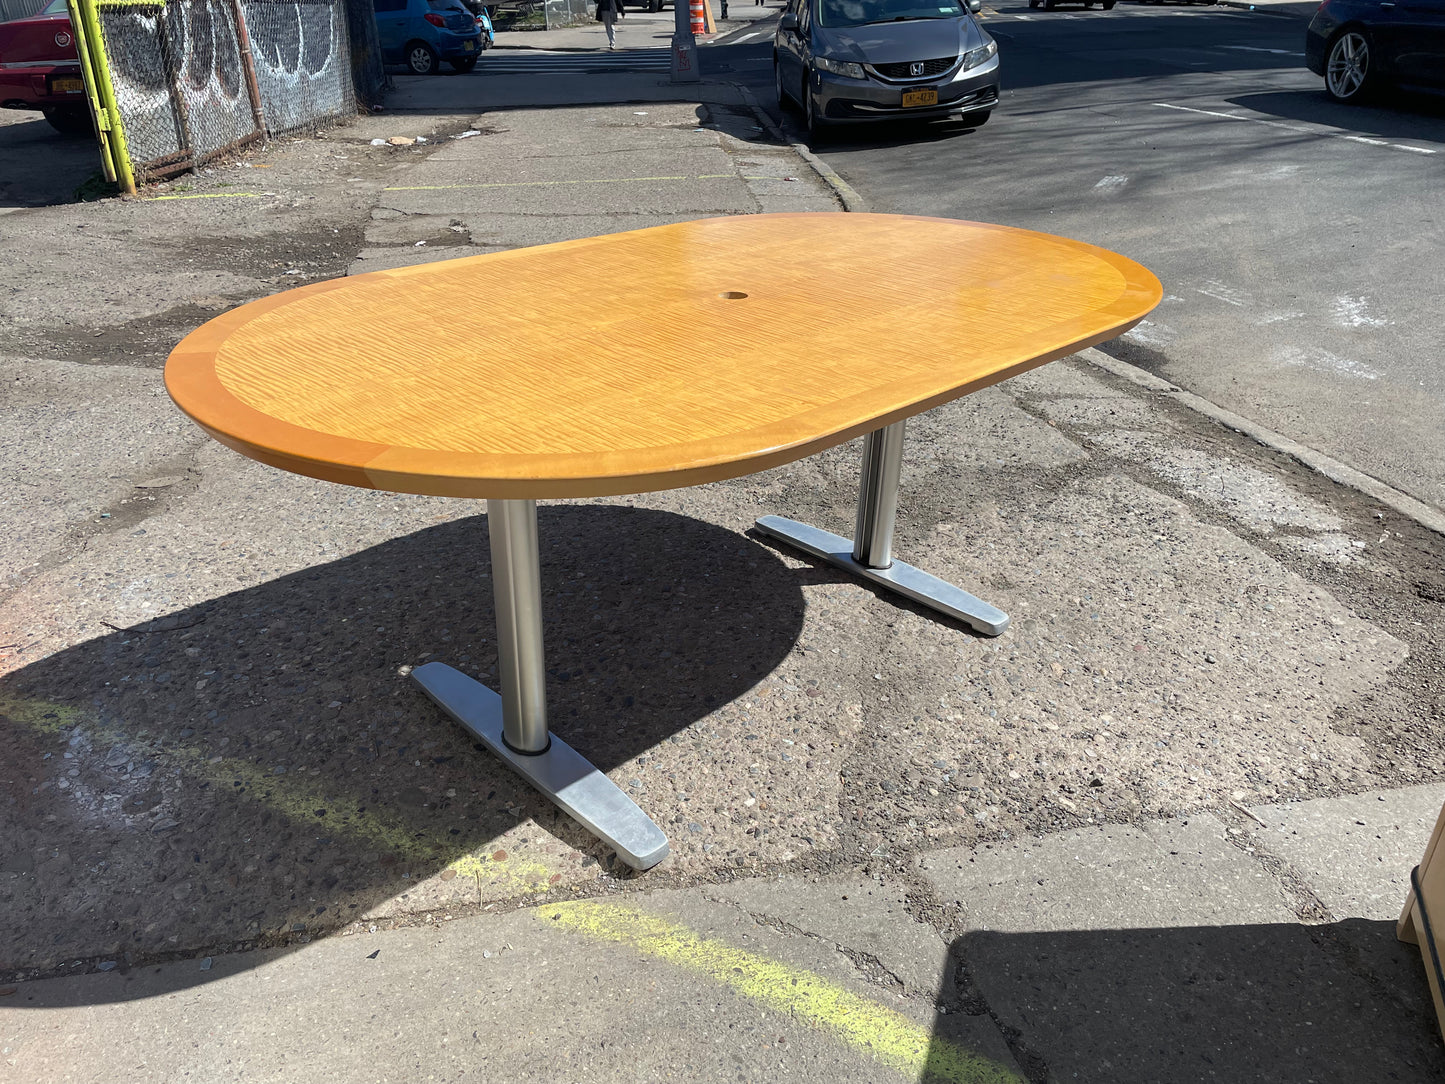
[
  {"x": 303, "y": 67},
  {"x": 180, "y": 74}
]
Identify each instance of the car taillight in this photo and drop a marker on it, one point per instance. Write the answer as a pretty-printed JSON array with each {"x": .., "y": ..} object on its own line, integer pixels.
[{"x": 435, "y": 19}]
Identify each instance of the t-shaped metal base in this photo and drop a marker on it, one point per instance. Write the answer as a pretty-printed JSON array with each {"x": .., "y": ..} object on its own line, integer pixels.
[
  {"x": 514, "y": 724},
  {"x": 559, "y": 772},
  {"x": 870, "y": 554}
]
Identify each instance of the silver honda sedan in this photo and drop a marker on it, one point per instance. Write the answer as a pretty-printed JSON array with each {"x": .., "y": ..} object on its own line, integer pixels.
[{"x": 847, "y": 61}]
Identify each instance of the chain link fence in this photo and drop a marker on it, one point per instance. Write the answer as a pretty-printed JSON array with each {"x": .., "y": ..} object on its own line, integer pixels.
[
  {"x": 562, "y": 13},
  {"x": 368, "y": 74},
  {"x": 193, "y": 79},
  {"x": 302, "y": 61}
]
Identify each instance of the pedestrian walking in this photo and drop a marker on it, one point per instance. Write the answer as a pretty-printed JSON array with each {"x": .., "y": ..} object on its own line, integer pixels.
[{"x": 608, "y": 12}]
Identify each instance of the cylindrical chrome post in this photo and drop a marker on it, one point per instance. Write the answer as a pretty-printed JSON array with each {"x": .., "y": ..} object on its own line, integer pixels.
[
  {"x": 878, "y": 497},
  {"x": 517, "y": 586}
]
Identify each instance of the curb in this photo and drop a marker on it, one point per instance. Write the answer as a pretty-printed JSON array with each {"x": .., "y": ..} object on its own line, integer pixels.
[
  {"x": 1270, "y": 9},
  {"x": 849, "y": 198},
  {"x": 1318, "y": 462}
]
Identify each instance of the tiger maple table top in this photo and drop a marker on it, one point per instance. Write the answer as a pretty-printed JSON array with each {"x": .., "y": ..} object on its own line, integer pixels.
[{"x": 646, "y": 360}]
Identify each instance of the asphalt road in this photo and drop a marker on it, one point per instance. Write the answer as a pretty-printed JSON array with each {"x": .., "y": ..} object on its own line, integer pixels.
[
  {"x": 38, "y": 165},
  {"x": 1299, "y": 242}
]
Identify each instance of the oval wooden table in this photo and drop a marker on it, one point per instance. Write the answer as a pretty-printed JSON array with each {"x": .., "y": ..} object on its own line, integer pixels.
[{"x": 641, "y": 361}]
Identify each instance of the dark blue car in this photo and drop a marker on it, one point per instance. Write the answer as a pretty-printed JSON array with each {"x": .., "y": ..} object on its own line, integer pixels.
[
  {"x": 423, "y": 33},
  {"x": 1360, "y": 45}
]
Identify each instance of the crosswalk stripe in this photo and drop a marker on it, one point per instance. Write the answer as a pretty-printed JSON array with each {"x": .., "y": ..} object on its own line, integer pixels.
[{"x": 565, "y": 63}]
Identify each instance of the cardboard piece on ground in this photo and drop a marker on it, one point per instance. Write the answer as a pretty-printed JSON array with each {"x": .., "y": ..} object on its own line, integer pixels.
[{"x": 1422, "y": 922}]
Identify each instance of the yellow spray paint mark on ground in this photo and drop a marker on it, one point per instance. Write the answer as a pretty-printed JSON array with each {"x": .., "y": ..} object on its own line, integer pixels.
[
  {"x": 208, "y": 195},
  {"x": 40, "y": 715},
  {"x": 552, "y": 184},
  {"x": 526, "y": 875},
  {"x": 298, "y": 799},
  {"x": 801, "y": 995}
]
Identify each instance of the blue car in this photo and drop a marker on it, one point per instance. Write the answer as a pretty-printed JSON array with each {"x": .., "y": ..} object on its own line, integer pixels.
[{"x": 423, "y": 33}]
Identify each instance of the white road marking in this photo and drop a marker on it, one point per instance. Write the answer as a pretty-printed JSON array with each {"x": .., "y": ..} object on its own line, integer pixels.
[
  {"x": 1151, "y": 334},
  {"x": 1108, "y": 184},
  {"x": 1220, "y": 292},
  {"x": 1283, "y": 171},
  {"x": 1277, "y": 317},
  {"x": 1321, "y": 360},
  {"x": 1205, "y": 112},
  {"x": 1316, "y": 130},
  {"x": 745, "y": 37},
  {"x": 1350, "y": 312},
  {"x": 1257, "y": 49},
  {"x": 1236, "y": 116}
]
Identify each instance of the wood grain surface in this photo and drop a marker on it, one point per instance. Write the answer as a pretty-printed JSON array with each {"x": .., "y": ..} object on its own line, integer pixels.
[{"x": 646, "y": 360}]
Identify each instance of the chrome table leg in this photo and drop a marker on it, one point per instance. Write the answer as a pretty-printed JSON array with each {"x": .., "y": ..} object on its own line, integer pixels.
[
  {"x": 870, "y": 554},
  {"x": 514, "y": 724}
]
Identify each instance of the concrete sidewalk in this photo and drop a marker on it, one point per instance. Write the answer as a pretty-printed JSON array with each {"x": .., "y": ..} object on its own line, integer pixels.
[{"x": 1159, "y": 830}]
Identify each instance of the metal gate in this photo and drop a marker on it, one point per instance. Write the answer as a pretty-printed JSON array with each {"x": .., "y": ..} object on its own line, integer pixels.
[{"x": 175, "y": 83}]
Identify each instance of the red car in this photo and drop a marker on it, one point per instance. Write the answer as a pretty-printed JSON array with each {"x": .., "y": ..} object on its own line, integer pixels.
[{"x": 40, "y": 69}]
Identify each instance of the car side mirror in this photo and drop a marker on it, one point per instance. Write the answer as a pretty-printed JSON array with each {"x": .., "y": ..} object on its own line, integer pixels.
[
  {"x": 975, "y": 6},
  {"x": 788, "y": 24}
]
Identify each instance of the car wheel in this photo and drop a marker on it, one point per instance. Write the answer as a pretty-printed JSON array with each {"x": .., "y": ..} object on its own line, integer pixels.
[
  {"x": 421, "y": 58},
  {"x": 975, "y": 120},
  {"x": 463, "y": 64},
  {"x": 1048, "y": 5},
  {"x": 1347, "y": 67},
  {"x": 779, "y": 88},
  {"x": 69, "y": 119},
  {"x": 1033, "y": 3},
  {"x": 1107, "y": 5}
]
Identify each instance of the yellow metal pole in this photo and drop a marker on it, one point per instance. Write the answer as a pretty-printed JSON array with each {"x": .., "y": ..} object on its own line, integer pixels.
[
  {"x": 87, "y": 71},
  {"x": 120, "y": 154}
]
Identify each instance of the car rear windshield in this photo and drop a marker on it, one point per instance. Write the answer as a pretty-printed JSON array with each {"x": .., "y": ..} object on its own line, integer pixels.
[
  {"x": 446, "y": 5},
  {"x": 56, "y": 7},
  {"x": 860, "y": 12}
]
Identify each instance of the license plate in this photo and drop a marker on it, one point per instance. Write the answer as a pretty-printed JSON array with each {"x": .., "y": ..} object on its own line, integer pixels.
[
  {"x": 468, "y": 46},
  {"x": 67, "y": 86},
  {"x": 919, "y": 97}
]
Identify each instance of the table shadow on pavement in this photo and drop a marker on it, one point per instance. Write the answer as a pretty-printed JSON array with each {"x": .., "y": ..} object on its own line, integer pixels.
[
  {"x": 1285, "y": 1004},
  {"x": 258, "y": 768}
]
